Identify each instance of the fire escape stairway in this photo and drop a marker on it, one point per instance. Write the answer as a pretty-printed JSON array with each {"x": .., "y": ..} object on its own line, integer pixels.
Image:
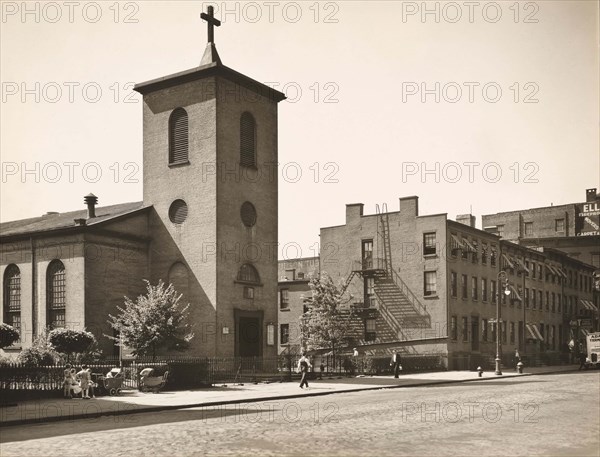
[{"x": 398, "y": 305}]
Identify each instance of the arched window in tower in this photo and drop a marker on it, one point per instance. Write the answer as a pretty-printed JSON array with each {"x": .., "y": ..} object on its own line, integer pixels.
[
  {"x": 178, "y": 276},
  {"x": 247, "y": 273},
  {"x": 178, "y": 137},
  {"x": 12, "y": 296},
  {"x": 55, "y": 294},
  {"x": 247, "y": 140}
]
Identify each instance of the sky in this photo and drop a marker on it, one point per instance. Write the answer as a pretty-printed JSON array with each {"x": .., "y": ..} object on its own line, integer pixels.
[{"x": 479, "y": 108}]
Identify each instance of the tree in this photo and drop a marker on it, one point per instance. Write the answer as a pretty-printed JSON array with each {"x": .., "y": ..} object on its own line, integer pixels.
[
  {"x": 67, "y": 341},
  {"x": 325, "y": 325},
  {"x": 153, "y": 321},
  {"x": 8, "y": 335}
]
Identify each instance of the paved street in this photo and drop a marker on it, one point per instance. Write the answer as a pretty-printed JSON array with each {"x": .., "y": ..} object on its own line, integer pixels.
[{"x": 534, "y": 415}]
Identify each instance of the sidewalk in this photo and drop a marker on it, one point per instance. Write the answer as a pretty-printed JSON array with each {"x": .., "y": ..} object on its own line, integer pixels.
[{"x": 130, "y": 402}]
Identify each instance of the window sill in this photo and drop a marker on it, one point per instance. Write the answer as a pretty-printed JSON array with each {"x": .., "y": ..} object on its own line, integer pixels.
[
  {"x": 12, "y": 348},
  {"x": 430, "y": 297},
  {"x": 248, "y": 283},
  {"x": 178, "y": 164},
  {"x": 284, "y": 309},
  {"x": 430, "y": 256}
]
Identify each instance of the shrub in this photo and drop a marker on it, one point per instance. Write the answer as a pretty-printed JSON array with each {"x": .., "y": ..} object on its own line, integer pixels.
[
  {"x": 8, "y": 335},
  {"x": 67, "y": 341},
  {"x": 40, "y": 353},
  {"x": 37, "y": 357}
]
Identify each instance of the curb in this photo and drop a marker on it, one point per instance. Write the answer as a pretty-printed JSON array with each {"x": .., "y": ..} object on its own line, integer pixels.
[{"x": 154, "y": 409}]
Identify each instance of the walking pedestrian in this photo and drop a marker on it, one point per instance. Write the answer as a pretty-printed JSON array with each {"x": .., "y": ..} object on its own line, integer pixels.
[
  {"x": 395, "y": 362},
  {"x": 322, "y": 367},
  {"x": 67, "y": 381},
  {"x": 84, "y": 382},
  {"x": 582, "y": 356},
  {"x": 517, "y": 358},
  {"x": 303, "y": 366}
]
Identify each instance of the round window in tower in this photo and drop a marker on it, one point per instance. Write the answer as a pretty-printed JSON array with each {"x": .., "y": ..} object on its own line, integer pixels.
[
  {"x": 248, "y": 214},
  {"x": 178, "y": 212}
]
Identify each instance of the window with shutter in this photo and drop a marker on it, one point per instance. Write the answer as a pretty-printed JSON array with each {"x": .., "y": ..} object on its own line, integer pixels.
[
  {"x": 178, "y": 137},
  {"x": 247, "y": 140}
]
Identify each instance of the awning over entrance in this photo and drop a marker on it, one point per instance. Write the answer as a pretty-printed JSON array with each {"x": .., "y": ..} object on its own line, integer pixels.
[
  {"x": 522, "y": 266},
  {"x": 515, "y": 293},
  {"x": 456, "y": 243},
  {"x": 508, "y": 262},
  {"x": 470, "y": 247},
  {"x": 533, "y": 328},
  {"x": 589, "y": 305},
  {"x": 552, "y": 270},
  {"x": 531, "y": 332}
]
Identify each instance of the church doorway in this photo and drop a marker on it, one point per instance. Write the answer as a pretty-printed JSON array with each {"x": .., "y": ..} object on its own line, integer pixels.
[{"x": 248, "y": 325}]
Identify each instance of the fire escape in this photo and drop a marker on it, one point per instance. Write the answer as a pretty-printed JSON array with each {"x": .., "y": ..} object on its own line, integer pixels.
[{"x": 397, "y": 304}]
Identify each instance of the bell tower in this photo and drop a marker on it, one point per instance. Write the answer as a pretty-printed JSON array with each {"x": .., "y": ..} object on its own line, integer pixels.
[{"x": 210, "y": 174}]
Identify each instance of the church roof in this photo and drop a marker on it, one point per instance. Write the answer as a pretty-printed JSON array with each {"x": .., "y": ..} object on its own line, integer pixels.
[
  {"x": 64, "y": 221},
  {"x": 215, "y": 68}
]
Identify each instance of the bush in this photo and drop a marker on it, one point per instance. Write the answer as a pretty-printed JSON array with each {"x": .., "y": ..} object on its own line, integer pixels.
[
  {"x": 67, "y": 341},
  {"x": 40, "y": 353},
  {"x": 8, "y": 335},
  {"x": 35, "y": 356}
]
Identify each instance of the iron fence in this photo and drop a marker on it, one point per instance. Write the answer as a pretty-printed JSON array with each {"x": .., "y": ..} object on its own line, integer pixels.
[{"x": 192, "y": 372}]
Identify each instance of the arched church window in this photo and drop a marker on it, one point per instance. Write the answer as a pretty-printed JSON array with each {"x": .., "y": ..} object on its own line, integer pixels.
[
  {"x": 56, "y": 294},
  {"x": 12, "y": 296},
  {"x": 178, "y": 276},
  {"x": 178, "y": 136},
  {"x": 247, "y": 273},
  {"x": 247, "y": 140}
]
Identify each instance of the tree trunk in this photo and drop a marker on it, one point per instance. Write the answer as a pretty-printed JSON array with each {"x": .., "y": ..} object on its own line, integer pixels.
[{"x": 333, "y": 354}]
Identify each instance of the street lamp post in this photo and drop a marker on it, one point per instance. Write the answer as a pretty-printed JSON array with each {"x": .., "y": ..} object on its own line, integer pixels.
[{"x": 501, "y": 287}]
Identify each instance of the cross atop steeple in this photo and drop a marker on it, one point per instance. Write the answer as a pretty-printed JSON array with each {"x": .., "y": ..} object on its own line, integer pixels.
[
  {"x": 210, "y": 53},
  {"x": 212, "y": 23}
]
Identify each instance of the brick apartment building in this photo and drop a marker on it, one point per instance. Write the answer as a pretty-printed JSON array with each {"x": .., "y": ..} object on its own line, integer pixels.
[
  {"x": 573, "y": 228},
  {"x": 427, "y": 284},
  {"x": 210, "y": 202},
  {"x": 294, "y": 276}
]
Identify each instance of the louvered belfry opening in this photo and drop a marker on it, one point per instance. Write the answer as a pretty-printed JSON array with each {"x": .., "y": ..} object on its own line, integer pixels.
[
  {"x": 178, "y": 212},
  {"x": 247, "y": 140},
  {"x": 178, "y": 136}
]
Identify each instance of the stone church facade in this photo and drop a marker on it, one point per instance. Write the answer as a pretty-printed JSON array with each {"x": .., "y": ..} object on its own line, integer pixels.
[{"x": 207, "y": 224}]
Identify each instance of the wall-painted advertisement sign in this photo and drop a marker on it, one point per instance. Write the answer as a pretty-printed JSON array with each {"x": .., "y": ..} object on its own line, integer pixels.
[{"x": 588, "y": 219}]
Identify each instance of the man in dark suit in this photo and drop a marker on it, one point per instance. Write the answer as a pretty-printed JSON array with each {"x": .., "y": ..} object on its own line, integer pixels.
[{"x": 395, "y": 362}]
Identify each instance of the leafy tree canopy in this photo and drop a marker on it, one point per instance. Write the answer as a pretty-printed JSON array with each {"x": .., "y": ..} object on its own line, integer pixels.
[
  {"x": 326, "y": 322},
  {"x": 153, "y": 321}
]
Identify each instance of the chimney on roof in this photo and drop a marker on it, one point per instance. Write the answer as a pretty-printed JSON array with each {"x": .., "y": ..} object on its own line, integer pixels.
[
  {"x": 91, "y": 200},
  {"x": 467, "y": 219},
  {"x": 590, "y": 195}
]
